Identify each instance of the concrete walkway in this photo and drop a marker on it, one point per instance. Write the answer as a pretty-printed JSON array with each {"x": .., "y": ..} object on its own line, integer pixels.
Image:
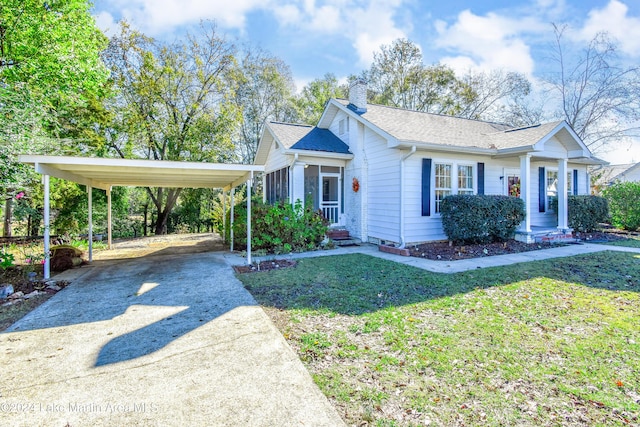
[
  {"x": 453, "y": 266},
  {"x": 154, "y": 341}
]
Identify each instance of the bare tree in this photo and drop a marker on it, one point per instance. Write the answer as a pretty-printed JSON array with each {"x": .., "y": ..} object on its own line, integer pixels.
[
  {"x": 599, "y": 97},
  {"x": 499, "y": 96}
]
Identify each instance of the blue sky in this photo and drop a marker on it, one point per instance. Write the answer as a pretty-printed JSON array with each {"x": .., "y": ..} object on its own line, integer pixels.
[{"x": 339, "y": 36}]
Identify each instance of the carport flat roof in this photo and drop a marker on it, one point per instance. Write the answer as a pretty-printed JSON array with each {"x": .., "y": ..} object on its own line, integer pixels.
[{"x": 107, "y": 172}]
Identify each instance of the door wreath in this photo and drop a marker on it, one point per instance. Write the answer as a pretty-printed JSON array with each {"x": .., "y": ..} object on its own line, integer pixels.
[{"x": 355, "y": 185}]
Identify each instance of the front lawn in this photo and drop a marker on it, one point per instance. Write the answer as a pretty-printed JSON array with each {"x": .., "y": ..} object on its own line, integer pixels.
[
  {"x": 631, "y": 242},
  {"x": 546, "y": 343}
]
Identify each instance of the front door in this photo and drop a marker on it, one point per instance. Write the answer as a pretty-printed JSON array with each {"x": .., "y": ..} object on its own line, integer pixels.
[
  {"x": 512, "y": 182},
  {"x": 330, "y": 196}
]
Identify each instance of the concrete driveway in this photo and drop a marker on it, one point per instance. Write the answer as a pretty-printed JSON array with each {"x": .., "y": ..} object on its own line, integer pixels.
[{"x": 165, "y": 340}]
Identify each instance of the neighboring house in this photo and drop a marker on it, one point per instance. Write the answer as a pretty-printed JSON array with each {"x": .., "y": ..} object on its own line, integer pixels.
[
  {"x": 606, "y": 175},
  {"x": 382, "y": 172}
]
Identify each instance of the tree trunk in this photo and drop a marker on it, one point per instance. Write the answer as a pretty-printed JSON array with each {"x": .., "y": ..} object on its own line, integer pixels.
[
  {"x": 161, "y": 223},
  {"x": 163, "y": 214},
  {"x": 8, "y": 214},
  {"x": 145, "y": 224}
]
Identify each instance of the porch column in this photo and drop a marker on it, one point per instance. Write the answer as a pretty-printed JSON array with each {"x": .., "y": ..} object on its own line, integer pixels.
[
  {"x": 563, "y": 199},
  {"x": 525, "y": 191},
  {"x": 90, "y": 221},
  {"x": 297, "y": 183},
  {"x": 47, "y": 228},
  {"x": 109, "y": 219}
]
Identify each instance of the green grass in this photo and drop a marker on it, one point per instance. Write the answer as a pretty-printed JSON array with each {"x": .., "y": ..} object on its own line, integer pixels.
[
  {"x": 630, "y": 242},
  {"x": 546, "y": 343}
]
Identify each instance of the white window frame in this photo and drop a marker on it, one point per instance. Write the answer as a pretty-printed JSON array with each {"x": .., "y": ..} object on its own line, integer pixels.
[
  {"x": 455, "y": 164},
  {"x": 547, "y": 198}
]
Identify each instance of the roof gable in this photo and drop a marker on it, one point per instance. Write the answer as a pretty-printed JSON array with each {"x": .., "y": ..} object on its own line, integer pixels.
[
  {"x": 404, "y": 128},
  {"x": 298, "y": 137}
]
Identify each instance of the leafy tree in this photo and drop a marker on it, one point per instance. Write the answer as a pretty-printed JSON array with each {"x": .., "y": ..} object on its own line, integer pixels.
[
  {"x": 49, "y": 66},
  {"x": 598, "y": 96},
  {"x": 264, "y": 92},
  {"x": 399, "y": 78},
  {"x": 174, "y": 102},
  {"x": 311, "y": 102}
]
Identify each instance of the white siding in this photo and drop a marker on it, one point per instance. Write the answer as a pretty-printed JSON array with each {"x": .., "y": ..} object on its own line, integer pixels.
[
  {"x": 554, "y": 148},
  {"x": 383, "y": 190},
  {"x": 276, "y": 160},
  {"x": 420, "y": 228},
  {"x": 336, "y": 127},
  {"x": 355, "y": 202}
]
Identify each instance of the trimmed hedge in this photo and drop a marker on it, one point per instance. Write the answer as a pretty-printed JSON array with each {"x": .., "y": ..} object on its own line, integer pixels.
[
  {"x": 624, "y": 204},
  {"x": 481, "y": 218},
  {"x": 586, "y": 213}
]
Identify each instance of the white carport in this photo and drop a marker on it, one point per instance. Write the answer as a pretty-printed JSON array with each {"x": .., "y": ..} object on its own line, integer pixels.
[{"x": 105, "y": 173}]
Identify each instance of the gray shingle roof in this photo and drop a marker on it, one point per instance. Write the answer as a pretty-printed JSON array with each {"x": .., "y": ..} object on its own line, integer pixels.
[
  {"x": 610, "y": 173},
  {"x": 415, "y": 126},
  {"x": 304, "y": 137}
]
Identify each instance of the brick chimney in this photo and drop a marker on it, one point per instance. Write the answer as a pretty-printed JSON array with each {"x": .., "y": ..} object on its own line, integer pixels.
[{"x": 358, "y": 96}]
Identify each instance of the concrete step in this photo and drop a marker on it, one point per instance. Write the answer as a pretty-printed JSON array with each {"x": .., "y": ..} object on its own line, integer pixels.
[
  {"x": 337, "y": 233},
  {"x": 350, "y": 241}
]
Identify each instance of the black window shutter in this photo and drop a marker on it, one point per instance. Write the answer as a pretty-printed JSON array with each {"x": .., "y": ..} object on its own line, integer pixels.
[
  {"x": 426, "y": 187},
  {"x": 542, "y": 189},
  {"x": 575, "y": 182},
  {"x": 480, "y": 178}
]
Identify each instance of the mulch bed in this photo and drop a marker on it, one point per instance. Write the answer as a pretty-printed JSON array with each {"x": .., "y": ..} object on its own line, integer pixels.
[
  {"x": 276, "y": 264},
  {"x": 443, "y": 251},
  {"x": 15, "y": 276}
]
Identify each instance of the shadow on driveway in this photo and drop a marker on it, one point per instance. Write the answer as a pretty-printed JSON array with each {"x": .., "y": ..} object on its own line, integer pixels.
[{"x": 167, "y": 340}]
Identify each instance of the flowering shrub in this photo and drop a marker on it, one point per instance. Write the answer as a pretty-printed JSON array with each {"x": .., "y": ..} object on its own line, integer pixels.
[{"x": 279, "y": 228}]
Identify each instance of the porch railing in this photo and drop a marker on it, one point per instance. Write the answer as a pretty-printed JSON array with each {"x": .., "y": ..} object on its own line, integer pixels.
[{"x": 330, "y": 211}]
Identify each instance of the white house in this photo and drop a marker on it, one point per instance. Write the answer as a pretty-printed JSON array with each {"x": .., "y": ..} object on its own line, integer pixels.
[
  {"x": 610, "y": 174},
  {"x": 381, "y": 172}
]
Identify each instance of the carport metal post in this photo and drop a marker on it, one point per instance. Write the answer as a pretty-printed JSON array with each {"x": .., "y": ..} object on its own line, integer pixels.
[
  {"x": 109, "y": 217},
  {"x": 224, "y": 213},
  {"x": 47, "y": 230},
  {"x": 90, "y": 221},
  {"x": 249, "y": 184},
  {"x": 232, "y": 191}
]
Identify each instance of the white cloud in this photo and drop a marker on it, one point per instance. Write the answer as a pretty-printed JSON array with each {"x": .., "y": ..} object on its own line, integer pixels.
[
  {"x": 365, "y": 24},
  {"x": 488, "y": 42},
  {"x": 155, "y": 17},
  {"x": 374, "y": 26},
  {"x": 614, "y": 19},
  {"x": 106, "y": 23}
]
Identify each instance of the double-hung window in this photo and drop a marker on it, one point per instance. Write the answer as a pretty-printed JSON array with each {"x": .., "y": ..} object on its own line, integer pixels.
[
  {"x": 443, "y": 183},
  {"x": 465, "y": 179},
  {"x": 552, "y": 188},
  {"x": 452, "y": 178}
]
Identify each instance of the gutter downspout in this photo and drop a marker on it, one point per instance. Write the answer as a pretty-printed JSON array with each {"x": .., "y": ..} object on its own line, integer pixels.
[
  {"x": 402, "y": 185},
  {"x": 295, "y": 160}
]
